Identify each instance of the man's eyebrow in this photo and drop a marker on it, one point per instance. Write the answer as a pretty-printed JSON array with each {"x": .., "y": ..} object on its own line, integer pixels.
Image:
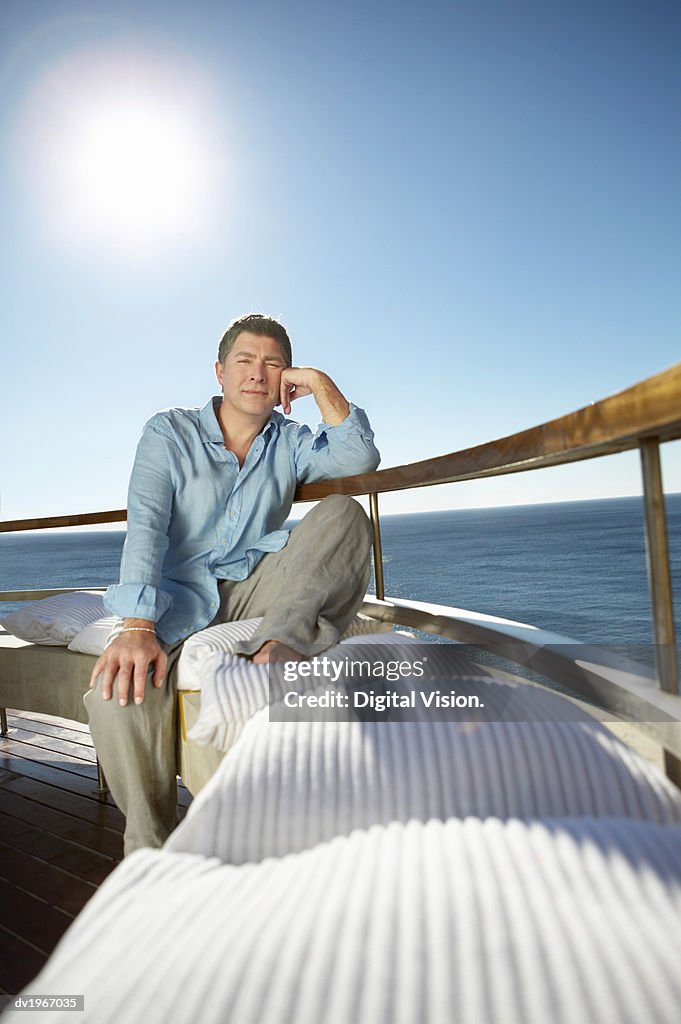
[{"x": 253, "y": 355}]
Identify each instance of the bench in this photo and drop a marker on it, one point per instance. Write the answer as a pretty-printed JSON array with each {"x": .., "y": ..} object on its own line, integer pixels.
[{"x": 53, "y": 680}]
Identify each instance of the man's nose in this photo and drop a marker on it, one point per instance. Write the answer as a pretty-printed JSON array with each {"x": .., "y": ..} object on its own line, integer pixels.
[{"x": 258, "y": 371}]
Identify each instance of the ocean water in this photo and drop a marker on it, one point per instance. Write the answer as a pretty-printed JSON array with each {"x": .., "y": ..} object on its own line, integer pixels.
[{"x": 577, "y": 568}]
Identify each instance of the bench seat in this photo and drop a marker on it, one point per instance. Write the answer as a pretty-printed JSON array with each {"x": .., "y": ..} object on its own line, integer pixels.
[
  {"x": 47, "y": 680},
  {"x": 52, "y": 680}
]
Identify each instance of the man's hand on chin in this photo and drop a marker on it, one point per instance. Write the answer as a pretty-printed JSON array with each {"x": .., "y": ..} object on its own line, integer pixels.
[{"x": 298, "y": 381}]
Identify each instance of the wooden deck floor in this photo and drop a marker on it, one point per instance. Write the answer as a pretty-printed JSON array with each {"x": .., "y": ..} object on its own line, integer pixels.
[{"x": 59, "y": 838}]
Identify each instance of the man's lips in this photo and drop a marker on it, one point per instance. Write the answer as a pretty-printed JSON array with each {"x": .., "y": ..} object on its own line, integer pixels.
[{"x": 246, "y": 391}]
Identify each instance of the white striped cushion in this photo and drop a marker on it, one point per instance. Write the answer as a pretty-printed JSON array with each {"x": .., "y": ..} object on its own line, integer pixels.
[
  {"x": 232, "y": 690},
  {"x": 93, "y": 639},
  {"x": 224, "y": 637},
  {"x": 286, "y": 786},
  {"x": 54, "y": 621},
  {"x": 473, "y": 922},
  {"x": 213, "y": 640}
]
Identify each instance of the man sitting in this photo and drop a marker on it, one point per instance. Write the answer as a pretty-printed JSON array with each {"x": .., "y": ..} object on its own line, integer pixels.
[{"x": 209, "y": 493}]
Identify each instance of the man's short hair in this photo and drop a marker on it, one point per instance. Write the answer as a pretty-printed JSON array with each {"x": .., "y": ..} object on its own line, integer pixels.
[{"x": 256, "y": 323}]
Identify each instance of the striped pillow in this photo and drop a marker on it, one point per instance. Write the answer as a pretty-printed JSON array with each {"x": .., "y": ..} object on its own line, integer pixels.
[
  {"x": 213, "y": 641},
  {"x": 93, "y": 639},
  {"x": 467, "y": 921},
  {"x": 54, "y": 621},
  {"x": 286, "y": 786}
]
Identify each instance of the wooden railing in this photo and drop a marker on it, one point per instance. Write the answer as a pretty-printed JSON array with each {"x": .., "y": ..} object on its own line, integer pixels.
[
  {"x": 650, "y": 410},
  {"x": 643, "y": 417}
]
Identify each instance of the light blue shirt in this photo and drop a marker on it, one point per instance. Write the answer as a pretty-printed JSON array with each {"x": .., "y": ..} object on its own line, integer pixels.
[{"x": 195, "y": 516}]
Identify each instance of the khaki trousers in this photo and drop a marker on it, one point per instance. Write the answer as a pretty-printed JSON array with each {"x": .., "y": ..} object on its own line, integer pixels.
[{"x": 307, "y": 594}]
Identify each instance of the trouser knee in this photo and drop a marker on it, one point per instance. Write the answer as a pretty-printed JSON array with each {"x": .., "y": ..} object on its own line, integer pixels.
[
  {"x": 110, "y": 714},
  {"x": 345, "y": 507}
]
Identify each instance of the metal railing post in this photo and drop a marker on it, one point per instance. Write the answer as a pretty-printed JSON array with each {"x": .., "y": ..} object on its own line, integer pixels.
[
  {"x": 378, "y": 550},
  {"x": 659, "y": 579},
  {"x": 102, "y": 786}
]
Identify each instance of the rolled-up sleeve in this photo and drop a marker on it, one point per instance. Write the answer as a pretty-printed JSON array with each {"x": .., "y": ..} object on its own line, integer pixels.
[
  {"x": 342, "y": 450},
  {"x": 150, "y": 496}
]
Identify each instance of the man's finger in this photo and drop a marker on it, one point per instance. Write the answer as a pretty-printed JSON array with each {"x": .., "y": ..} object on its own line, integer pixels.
[
  {"x": 108, "y": 676},
  {"x": 124, "y": 672},
  {"x": 160, "y": 669},
  {"x": 95, "y": 672},
  {"x": 284, "y": 390},
  {"x": 139, "y": 679}
]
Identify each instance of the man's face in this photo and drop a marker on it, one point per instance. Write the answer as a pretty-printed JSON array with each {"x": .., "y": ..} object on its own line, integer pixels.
[{"x": 249, "y": 376}]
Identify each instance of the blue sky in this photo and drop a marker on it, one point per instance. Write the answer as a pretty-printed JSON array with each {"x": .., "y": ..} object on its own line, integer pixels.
[{"x": 467, "y": 213}]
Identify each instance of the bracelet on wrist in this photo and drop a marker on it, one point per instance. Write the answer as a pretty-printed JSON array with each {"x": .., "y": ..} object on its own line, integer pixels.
[{"x": 138, "y": 629}]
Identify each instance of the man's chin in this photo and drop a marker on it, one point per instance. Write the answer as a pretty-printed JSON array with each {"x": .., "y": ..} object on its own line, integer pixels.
[{"x": 263, "y": 409}]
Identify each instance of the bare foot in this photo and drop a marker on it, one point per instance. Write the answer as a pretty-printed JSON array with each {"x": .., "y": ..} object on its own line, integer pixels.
[{"x": 274, "y": 650}]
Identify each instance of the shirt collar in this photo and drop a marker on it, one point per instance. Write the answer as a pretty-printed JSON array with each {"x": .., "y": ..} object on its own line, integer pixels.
[{"x": 210, "y": 428}]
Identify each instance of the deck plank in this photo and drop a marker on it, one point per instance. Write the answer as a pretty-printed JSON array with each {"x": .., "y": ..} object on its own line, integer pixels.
[
  {"x": 74, "y": 857},
  {"x": 40, "y": 924},
  {"x": 57, "y": 776},
  {"x": 56, "y": 887},
  {"x": 59, "y": 823},
  {"x": 50, "y": 720},
  {"x": 73, "y": 777},
  {"x": 60, "y": 838},
  {"x": 64, "y": 732},
  {"x": 95, "y": 812},
  {"x": 19, "y": 961},
  {"x": 76, "y": 751}
]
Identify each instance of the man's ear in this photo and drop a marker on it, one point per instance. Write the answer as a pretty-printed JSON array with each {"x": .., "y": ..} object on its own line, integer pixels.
[{"x": 218, "y": 372}]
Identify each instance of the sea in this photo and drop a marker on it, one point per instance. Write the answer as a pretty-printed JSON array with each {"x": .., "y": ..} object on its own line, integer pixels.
[{"x": 576, "y": 568}]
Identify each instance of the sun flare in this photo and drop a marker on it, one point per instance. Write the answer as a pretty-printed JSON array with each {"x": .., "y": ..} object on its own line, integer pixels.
[
  {"x": 120, "y": 152},
  {"x": 134, "y": 171}
]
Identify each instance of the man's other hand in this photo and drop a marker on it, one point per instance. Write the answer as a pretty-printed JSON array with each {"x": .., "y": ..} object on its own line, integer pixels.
[
  {"x": 129, "y": 657},
  {"x": 298, "y": 381}
]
